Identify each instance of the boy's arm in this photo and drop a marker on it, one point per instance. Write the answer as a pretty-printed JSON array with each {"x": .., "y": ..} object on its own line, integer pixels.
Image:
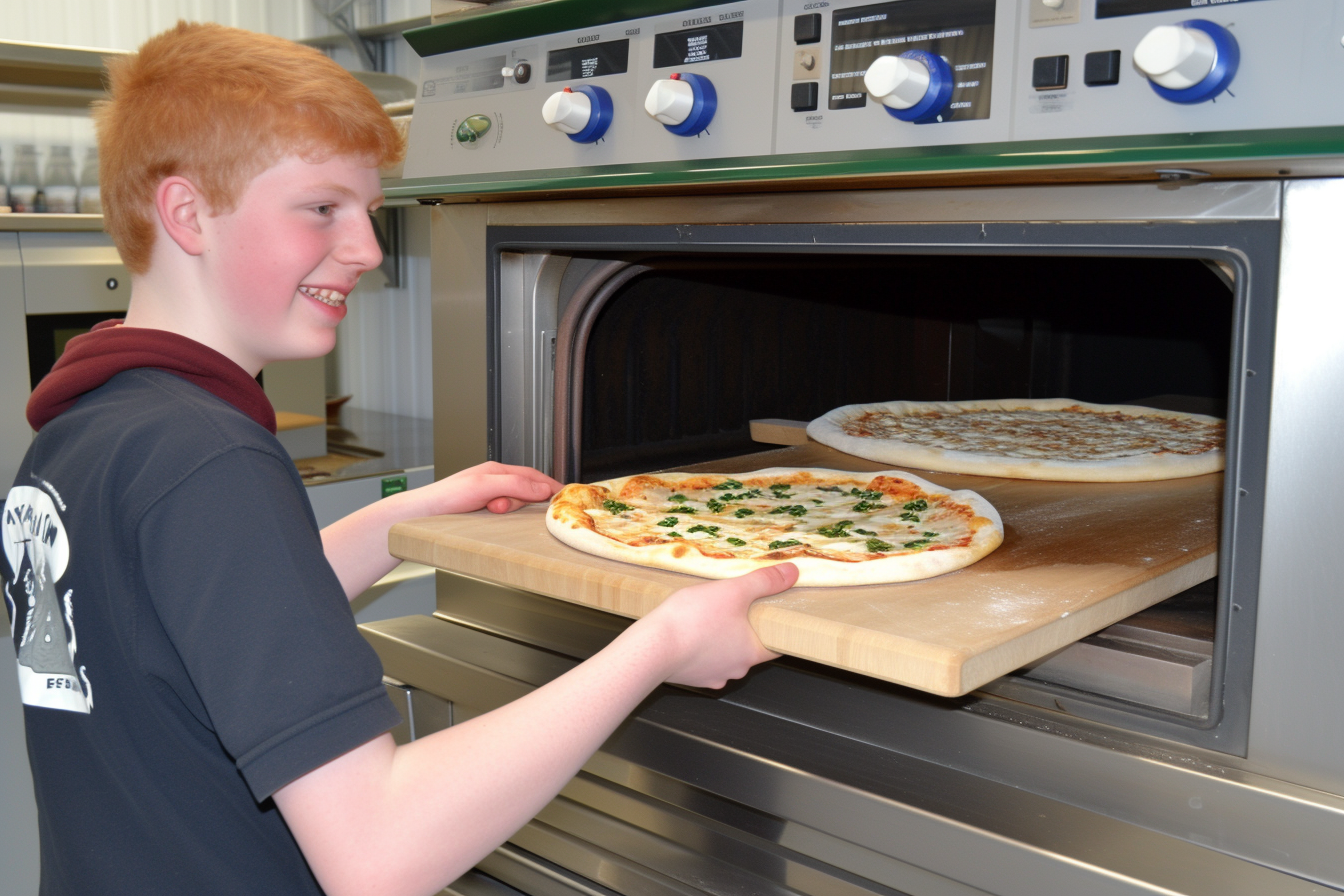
[
  {"x": 356, "y": 546},
  {"x": 390, "y": 820}
]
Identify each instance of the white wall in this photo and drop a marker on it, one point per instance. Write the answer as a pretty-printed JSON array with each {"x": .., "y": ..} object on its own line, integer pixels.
[
  {"x": 379, "y": 316},
  {"x": 125, "y": 24}
]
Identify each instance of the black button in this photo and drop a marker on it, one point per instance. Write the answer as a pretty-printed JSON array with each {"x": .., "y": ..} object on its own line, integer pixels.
[
  {"x": 804, "y": 96},
  {"x": 1050, "y": 73},
  {"x": 807, "y": 29},
  {"x": 1101, "y": 67}
]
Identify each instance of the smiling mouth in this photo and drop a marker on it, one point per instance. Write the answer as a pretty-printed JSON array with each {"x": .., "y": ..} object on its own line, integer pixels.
[{"x": 325, "y": 296}]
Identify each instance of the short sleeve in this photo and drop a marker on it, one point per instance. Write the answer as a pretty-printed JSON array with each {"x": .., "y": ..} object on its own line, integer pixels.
[{"x": 234, "y": 569}]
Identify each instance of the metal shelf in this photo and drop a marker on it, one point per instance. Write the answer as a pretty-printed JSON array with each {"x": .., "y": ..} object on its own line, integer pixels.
[
  {"x": 50, "y": 76},
  {"x": 371, "y": 32},
  {"x": 47, "y": 223}
]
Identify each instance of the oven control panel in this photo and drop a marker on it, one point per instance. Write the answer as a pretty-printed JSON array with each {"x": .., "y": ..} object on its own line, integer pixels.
[
  {"x": 763, "y": 80},
  {"x": 691, "y": 85}
]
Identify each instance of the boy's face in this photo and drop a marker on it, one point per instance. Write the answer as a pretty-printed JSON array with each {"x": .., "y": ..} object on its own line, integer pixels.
[{"x": 282, "y": 262}]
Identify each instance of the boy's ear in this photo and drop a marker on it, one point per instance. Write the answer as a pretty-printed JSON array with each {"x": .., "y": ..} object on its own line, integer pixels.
[{"x": 180, "y": 207}]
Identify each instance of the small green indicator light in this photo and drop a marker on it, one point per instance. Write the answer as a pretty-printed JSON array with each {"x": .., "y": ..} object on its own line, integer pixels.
[
  {"x": 473, "y": 128},
  {"x": 394, "y": 484}
]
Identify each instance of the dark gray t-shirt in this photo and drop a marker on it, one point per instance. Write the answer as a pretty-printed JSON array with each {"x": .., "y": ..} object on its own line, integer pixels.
[{"x": 184, "y": 647}]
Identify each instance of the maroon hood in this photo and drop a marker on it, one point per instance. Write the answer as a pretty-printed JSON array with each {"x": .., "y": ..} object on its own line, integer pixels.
[{"x": 94, "y": 358}]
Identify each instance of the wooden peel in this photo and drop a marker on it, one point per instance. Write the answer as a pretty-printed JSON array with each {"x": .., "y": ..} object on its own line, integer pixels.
[
  {"x": 773, "y": 431},
  {"x": 1076, "y": 558}
]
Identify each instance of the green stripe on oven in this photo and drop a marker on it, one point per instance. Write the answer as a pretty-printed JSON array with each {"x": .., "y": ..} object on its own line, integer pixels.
[
  {"x": 479, "y": 29},
  {"x": 1159, "y": 149}
]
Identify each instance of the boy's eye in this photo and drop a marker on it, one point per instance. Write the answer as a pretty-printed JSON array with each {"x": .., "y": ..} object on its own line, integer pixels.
[{"x": 325, "y": 209}]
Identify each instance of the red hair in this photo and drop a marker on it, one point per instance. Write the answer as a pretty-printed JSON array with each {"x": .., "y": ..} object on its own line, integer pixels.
[{"x": 218, "y": 106}]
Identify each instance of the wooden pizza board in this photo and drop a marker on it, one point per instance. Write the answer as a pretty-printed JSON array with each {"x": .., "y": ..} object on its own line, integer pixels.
[{"x": 1076, "y": 558}]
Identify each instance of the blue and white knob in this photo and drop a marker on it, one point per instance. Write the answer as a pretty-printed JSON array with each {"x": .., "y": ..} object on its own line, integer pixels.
[
  {"x": 583, "y": 113},
  {"x": 1189, "y": 62},
  {"x": 914, "y": 86},
  {"x": 683, "y": 103}
]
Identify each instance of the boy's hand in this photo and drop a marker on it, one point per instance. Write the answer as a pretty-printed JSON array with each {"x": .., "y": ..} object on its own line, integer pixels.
[
  {"x": 356, "y": 545},
  {"x": 704, "y": 630},
  {"x": 497, "y": 487}
]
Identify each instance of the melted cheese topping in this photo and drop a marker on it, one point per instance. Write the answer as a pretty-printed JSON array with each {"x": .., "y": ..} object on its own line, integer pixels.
[
  {"x": 1068, "y": 434},
  {"x": 852, "y": 522}
]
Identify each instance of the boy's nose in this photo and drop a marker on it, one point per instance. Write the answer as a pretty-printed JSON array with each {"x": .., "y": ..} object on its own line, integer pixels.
[{"x": 361, "y": 248}]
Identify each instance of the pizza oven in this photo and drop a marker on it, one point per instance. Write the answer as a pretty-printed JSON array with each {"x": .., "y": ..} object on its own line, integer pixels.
[
  {"x": 690, "y": 310},
  {"x": 672, "y": 347}
]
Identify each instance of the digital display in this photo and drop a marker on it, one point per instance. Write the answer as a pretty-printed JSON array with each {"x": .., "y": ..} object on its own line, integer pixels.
[
  {"x": 588, "y": 61},
  {"x": 1109, "y": 9},
  {"x": 470, "y": 77},
  {"x": 960, "y": 31},
  {"x": 697, "y": 45}
]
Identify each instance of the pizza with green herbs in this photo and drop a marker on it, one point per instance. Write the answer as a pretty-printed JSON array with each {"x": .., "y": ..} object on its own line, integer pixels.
[{"x": 840, "y": 528}]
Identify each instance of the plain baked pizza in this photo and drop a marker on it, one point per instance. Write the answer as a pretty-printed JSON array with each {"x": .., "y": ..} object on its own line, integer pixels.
[
  {"x": 840, "y": 528},
  {"x": 1026, "y": 438}
]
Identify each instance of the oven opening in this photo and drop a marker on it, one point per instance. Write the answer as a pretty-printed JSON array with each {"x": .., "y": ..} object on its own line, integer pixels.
[
  {"x": 680, "y": 359},
  {"x": 676, "y": 356}
]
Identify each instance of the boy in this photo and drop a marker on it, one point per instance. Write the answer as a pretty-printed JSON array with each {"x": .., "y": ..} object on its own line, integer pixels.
[{"x": 218, "y": 725}]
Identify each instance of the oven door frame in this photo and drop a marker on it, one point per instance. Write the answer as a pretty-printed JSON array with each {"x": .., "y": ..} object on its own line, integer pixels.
[{"x": 528, "y": 290}]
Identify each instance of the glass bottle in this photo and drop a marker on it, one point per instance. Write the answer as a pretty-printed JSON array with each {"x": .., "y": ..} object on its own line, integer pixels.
[
  {"x": 90, "y": 202},
  {"x": 60, "y": 185},
  {"x": 24, "y": 181}
]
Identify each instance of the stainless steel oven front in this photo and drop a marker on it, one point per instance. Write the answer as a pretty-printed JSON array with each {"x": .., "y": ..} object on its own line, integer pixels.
[{"x": 634, "y": 304}]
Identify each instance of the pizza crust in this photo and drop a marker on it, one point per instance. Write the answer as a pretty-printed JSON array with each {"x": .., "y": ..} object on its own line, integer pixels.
[
  {"x": 829, "y": 430},
  {"x": 569, "y": 521}
]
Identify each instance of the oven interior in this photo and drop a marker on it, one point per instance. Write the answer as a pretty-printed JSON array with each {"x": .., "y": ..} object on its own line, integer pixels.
[
  {"x": 668, "y": 356},
  {"x": 684, "y": 355}
]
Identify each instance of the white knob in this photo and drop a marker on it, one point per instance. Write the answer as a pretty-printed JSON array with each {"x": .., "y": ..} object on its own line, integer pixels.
[
  {"x": 669, "y": 102},
  {"x": 897, "y": 82},
  {"x": 1174, "y": 57},
  {"x": 567, "y": 112},
  {"x": 1053, "y": 4}
]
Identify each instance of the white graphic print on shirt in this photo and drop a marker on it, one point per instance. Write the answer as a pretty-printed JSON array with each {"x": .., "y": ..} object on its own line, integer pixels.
[{"x": 38, "y": 551}]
